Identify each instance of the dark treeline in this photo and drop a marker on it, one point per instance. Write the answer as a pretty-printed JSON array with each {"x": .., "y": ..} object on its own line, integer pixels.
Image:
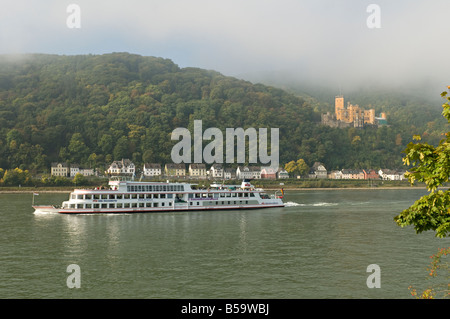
[{"x": 93, "y": 109}]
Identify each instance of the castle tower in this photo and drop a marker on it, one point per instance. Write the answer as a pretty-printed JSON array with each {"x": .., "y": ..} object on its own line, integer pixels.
[{"x": 339, "y": 106}]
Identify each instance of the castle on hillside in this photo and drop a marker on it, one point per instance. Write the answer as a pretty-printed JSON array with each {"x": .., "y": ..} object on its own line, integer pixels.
[{"x": 352, "y": 116}]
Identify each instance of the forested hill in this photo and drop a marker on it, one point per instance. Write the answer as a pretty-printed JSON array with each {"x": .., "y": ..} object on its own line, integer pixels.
[{"x": 92, "y": 109}]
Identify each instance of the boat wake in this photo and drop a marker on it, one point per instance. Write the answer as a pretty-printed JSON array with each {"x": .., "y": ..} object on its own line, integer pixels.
[
  {"x": 43, "y": 212},
  {"x": 291, "y": 204},
  {"x": 324, "y": 204}
]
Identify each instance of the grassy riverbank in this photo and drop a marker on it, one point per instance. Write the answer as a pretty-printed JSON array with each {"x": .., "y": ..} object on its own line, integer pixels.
[{"x": 288, "y": 184}]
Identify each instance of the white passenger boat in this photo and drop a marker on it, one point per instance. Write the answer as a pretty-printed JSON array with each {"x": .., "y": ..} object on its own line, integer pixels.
[{"x": 146, "y": 197}]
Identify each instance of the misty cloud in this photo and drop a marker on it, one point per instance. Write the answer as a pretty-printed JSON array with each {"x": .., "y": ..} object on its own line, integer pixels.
[{"x": 324, "y": 40}]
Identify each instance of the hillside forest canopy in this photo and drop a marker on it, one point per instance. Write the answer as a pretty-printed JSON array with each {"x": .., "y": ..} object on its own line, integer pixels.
[{"x": 93, "y": 109}]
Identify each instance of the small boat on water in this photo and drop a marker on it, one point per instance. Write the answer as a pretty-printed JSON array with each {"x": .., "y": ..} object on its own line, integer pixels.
[{"x": 146, "y": 197}]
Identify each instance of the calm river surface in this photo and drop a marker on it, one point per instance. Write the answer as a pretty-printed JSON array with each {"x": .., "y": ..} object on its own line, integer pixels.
[{"x": 317, "y": 247}]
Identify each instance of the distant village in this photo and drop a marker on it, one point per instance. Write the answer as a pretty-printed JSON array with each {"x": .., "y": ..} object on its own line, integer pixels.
[{"x": 125, "y": 167}]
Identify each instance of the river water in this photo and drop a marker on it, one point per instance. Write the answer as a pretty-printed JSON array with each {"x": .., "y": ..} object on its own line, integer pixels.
[{"x": 319, "y": 246}]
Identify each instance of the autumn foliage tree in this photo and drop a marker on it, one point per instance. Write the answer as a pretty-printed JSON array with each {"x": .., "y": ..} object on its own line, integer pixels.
[
  {"x": 298, "y": 167},
  {"x": 431, "y": 165}
]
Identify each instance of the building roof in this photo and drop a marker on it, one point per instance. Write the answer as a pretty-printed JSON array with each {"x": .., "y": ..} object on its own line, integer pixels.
[
  {"x": 197, "y": 166},
  {"x": 175, "y": 166},
  {"x": 55, "y": 164},
  {"x": 152, "y": 165}
]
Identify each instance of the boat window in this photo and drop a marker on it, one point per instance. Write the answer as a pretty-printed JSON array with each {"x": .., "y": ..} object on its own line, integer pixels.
[
  {"x": 96, "y": 205},
  {"x": 134, "y": 196},
  {"x": 87, "y": 196},
  {"x": 73, "y": 196},
  {"x": 104, "y": 196},
  {"x": 169, "y": 195},
  {"x": 233, "y": 194},
  {"x": 111, "y": 205},
  {"x": 155, "y": 205},
  {"x": 190, "y": 195},
  {"x": 141, "y": 196},
  {"x": 96, "y": 196},
  {"x": 252, "y": 194},
  {"x": 112, "y": 196},
  {"x": 141, "y": 204},
  {"x": 119, "y": 205},
  {"x": 119, "y": 196},
  {"x": 88, "y": 205},
  {"x": 79, "y": 196},
  {"x": 104, "y": 205},
  {"x": 126, "y": 205},
  {"x": 148, "y": 204}
]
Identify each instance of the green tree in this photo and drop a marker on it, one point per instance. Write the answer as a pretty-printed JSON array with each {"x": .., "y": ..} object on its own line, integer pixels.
[
  {"x": 77, "y": 149},
  {"x": 121, "y": 149},
  {"x": 106, "y": 144},
  {"x": 16, "y": 177},
  {"x": 79, "y": 179},
  {"x": 431, "y": 165}
]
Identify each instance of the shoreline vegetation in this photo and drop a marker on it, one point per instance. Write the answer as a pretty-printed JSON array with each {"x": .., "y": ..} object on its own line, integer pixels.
[{"x": 269, "y": 185}]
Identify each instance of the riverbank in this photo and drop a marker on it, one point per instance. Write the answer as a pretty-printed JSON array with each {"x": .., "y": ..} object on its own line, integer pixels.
[{"x": 287, "y": 185}]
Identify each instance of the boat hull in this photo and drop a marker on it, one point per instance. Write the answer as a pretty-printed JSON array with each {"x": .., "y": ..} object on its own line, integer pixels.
[{"x": 161, "y": 210}]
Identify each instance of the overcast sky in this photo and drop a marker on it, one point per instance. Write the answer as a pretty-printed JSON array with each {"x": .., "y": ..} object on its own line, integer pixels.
[{"x": 316, "y": 39}]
